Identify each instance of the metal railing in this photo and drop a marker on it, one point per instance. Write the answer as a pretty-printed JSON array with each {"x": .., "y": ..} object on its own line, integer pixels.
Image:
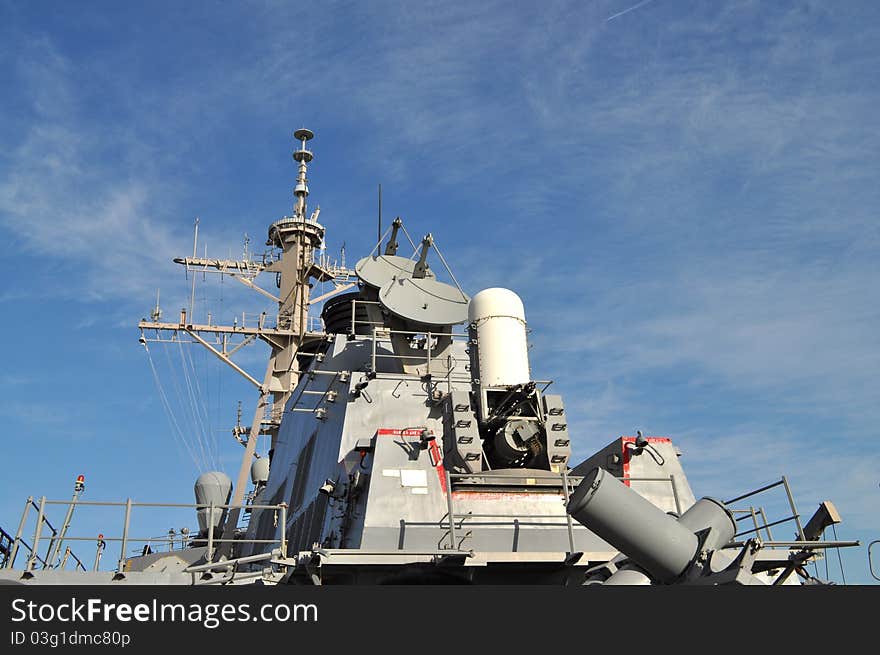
[
  {"x": 669, "y": 478},
  {"x": 354, "y": 322},
  {"x": 566, "y": 484},
  {"x": 752, "y": 512},
  {"x": 33, "y": 554},
  {"x": 378, "y": 332},
  {"x": 68, "y": 554},
  {"x": 419, "y": 355},
  {"x": 210, "y": 541},
  {"x": 449, "y": 520},
  {"x": 6, "y": 540}
]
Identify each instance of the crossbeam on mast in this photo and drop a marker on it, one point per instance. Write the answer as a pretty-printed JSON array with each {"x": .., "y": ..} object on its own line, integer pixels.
[
  {"x": 344, "y": 287},
  {"x": 224, "y": 329},
  {"x": 247, "y": 376},
  {"x": 322, "y": 271},
  {"x": 248, "y": 283},
  {"x": 228, "y": 266}
]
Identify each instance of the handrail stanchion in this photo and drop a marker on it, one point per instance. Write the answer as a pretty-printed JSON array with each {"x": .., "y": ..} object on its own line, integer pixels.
[
  {"x": 567, "y": 515},
  {"x": 209, "y": 556},
  {"x": 428, "y": 352},
  {"x": 64, "y": 558},
  {"x": 21, "y": 524},
  {"x": 797, "y": 517},
  {"x": 49, "y": 561},
  {"x": 124, "y": 545},
  {"x": 283, "y": 507},
  {"x": 754, "y": 516},
  {"x": 675, "y": 494},
  {"x": 449, "y": 509},
  {"x": 766, "y": 527},
  {"x": 32, "y": 560}
]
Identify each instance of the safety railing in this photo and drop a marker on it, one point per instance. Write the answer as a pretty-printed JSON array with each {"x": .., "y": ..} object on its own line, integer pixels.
[
  {"x": 676, "y": 498},
  {"x": 67, "y": 555},
  {"x": 5, "y": 547},
  {"x": 378, "y": 331},
  {"x": 753, "y": 512},
  {"x": 760, "y": 524},
  {"x": 354, "y": 322},
  {"x": 421, "y": 354},
  {"x": 17, "y": 542},
  {"x": 515, "y": 519},
  {"x": 566, "y": 483},
  {"x": 211, "y": 541}
]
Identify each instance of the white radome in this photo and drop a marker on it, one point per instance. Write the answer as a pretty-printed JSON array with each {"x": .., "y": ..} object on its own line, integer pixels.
[{"x": 499, "y": 318}]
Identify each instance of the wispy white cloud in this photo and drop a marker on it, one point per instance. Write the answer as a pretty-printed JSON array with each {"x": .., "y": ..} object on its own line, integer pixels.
[
  {"x": 626, "y": 11},
  {"x": 61, "y": 201}
]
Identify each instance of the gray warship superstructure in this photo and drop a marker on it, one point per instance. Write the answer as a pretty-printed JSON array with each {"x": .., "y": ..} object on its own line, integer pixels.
[{"x": 410, "y": 443}]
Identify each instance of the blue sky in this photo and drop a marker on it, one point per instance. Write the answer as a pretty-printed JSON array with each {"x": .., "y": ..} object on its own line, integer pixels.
[{"x": 683, "y": 193}]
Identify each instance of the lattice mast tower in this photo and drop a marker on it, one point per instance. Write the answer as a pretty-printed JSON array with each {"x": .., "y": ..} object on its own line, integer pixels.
[{"x": 296, "y": 238}]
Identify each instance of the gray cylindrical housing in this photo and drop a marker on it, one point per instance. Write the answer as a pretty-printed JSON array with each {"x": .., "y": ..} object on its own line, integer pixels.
[
  {"x": 710, "y": 514},
  {"x": 212, "y": 487},
  {"x": 647, "y": 535},
  {"x": 628, "y": 576}
]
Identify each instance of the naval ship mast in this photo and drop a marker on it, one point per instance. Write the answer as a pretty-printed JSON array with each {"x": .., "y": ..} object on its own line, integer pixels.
[{"x": 296, "y": 237}]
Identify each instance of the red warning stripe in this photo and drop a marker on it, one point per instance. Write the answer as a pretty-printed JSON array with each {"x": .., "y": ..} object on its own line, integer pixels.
[{"x": 626, "y": 452}]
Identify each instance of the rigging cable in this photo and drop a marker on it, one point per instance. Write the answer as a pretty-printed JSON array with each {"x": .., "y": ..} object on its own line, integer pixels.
[
  {"x": 839, "y": 558},
  {"x": 198, "y": 428},
  {"x": 181, "y": 407},
  {"x": 219, "y": 388},
  {"x": 205, "y": 397},
  {"x": 199, "y": 399},
  {"x": 169, "y": 413},
  {"x": 411, "y": 242}
]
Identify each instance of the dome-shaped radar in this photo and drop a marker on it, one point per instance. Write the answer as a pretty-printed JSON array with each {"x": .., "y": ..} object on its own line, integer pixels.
[
  {"x": 213, "y": 487},
  {"x": 260, "y": 471},
  {"x": 499, "y": 319}
]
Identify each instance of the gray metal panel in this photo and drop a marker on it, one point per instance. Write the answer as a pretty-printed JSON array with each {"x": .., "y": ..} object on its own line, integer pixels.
[
  {"x": 556, "y": 425},
  {"x": 503, "y": 521},
  {"x": 660, "y": 479},
  {"x": 461, "y": 435}
]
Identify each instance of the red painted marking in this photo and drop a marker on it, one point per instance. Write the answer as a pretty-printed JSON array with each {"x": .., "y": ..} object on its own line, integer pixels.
[
  {"x": 627, "y": 451},
  {"x": 391, "y": 432},
  {"x": 436, "y": 457}
]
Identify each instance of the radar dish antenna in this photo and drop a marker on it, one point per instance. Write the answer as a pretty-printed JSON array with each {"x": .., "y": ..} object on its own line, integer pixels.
[
  {"x": 378, "y": 270},
  {"x": 424, "y": 301}
]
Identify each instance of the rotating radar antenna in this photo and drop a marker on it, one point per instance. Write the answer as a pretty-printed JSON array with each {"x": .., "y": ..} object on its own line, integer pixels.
[{"x": 409, "y": 289}]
